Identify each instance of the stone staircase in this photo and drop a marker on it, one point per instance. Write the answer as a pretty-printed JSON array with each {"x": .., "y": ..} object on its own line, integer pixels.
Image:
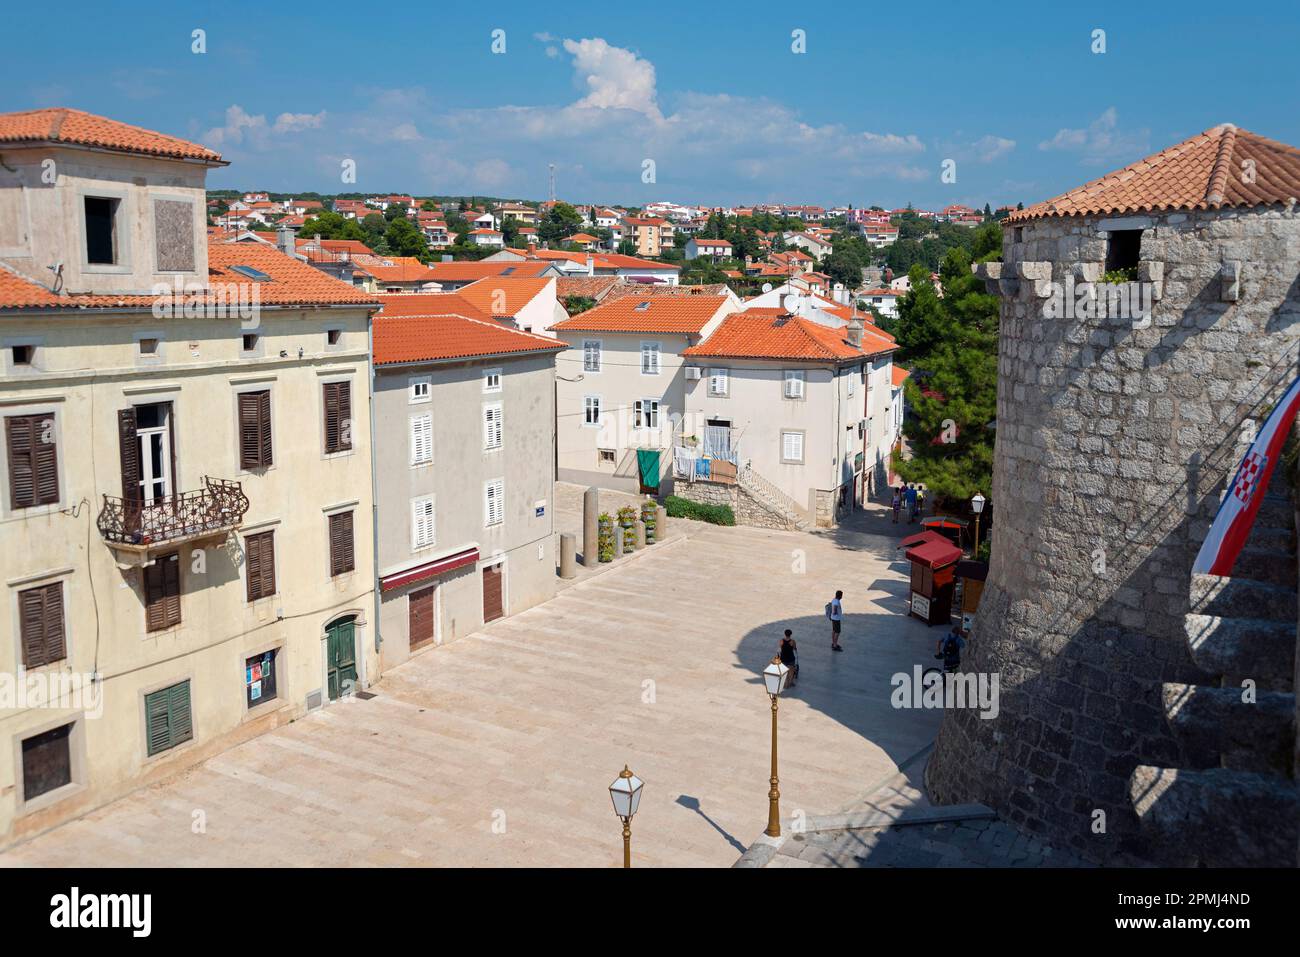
[
  {"x": 1243, "y": 809},
  {"x": 773, "y": 499}
]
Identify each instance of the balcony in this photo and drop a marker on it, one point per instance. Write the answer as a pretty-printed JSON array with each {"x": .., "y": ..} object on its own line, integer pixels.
[{"x": 136, "y": 530}]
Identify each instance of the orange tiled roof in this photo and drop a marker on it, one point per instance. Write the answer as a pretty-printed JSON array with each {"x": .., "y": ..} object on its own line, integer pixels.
[
  {"x": 502, "y": 296},
  {"x": 1208, "y": 171},
  {"x": 427, "y": 338},
  {"x": 591, "y": 287},
  {"x": 772, "y": 333},
  {"x": 73, "y": 127},
  {"x": 848, "y": 314},
  {"x": 471, "y": 271},
  {"x": 393, "y": 268},
  {"x": 899, "y": 375},
  {"x": 668, "y": 315},
  {"x": 291, "y": 283}
]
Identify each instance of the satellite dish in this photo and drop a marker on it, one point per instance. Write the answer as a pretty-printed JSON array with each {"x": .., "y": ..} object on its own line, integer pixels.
[
  {"x": 791, "y": 303},
  {"x": 767, "y": 287}
]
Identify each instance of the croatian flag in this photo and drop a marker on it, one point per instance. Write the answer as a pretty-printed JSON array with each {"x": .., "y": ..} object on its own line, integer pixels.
[{"x": 1237, "y": 511}]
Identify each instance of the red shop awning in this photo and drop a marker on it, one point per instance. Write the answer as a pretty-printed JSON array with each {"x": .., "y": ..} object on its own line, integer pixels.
[{"x": 438, "y": 566}]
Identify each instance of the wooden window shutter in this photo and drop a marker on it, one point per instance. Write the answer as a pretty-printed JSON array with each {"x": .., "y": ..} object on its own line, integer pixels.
[
  {"x": 128, "y": 444},
  {"x": 259, "y": 553},
  {"x": 338, "y": 416},
  {"x": 168, "y": 717},
  {"x": 40, "y": 621},
  {"x": 162, "y": 592},
  {"x": 33, "y": 463},
  {"x": 255, "y": 429},
  {"x": 341, "y": 557}
]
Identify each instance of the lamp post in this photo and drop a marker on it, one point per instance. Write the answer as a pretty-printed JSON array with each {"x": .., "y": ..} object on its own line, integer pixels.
[
  {"x": 625, "y": 792},
  {"x": 774, "y": 676},
  {"x": 977, "y": 506}
]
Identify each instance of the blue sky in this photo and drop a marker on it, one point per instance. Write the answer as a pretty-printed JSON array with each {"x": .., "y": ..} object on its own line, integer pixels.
[{"x": 713, "y": 94}]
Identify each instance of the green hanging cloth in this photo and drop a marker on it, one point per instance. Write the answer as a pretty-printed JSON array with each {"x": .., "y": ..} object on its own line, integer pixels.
[{"x": 647, "y": 461}]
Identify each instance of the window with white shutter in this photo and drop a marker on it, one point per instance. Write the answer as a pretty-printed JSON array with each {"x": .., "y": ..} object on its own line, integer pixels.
[
  {"x": 591, "y": 410},
  {"x": 794, "y": 379},
  {"x": 422, "y": 439},
  {"x": 792, "y": 447},
  {"x": 650, "y": 358},
  {"x": 718, "y": 382},
  {"x": 494, "y": 502},
  {"x": 590, "y": 355},
  {"x": 492, "y": 426},
  {"x": 422, "y": 523}
]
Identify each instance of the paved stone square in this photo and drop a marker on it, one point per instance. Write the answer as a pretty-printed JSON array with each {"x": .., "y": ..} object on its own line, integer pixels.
[{"x": 497, "y": 749}]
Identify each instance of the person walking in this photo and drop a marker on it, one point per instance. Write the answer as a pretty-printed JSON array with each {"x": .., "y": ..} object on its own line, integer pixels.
[
  {"x": 898, "y": 502},
  {"x": 909, "y": 499},
  {"x": 949, "y": 648},
  {"x": 789, "y": 654},
  {"x": 835, "y": 612},
  {"x": 920, "y": 501}
]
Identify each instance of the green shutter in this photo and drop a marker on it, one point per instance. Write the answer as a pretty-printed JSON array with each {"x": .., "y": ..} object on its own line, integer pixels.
[{"x": 167, "y": 717}]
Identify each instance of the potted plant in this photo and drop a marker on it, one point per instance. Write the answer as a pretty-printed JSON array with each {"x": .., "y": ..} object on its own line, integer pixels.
[{"x": 605, "y": 537}]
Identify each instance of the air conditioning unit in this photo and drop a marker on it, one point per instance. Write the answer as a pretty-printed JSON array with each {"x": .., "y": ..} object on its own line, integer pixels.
[{"x": 692, "y": 372}]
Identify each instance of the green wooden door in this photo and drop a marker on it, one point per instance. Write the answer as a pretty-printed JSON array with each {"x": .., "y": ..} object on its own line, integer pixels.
[{"x": 341, "y": 669}]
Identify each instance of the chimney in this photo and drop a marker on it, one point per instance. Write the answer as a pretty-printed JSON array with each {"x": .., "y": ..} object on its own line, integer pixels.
[
  {"x": 855, "y": 332},
  {"x": 284, "y": 240},
  {"x": 532, "y": 247},
  {"x": 591, "y": 265}
]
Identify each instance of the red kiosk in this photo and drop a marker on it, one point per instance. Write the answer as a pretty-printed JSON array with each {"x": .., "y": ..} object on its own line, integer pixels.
[{"x": 934, "y": 563}]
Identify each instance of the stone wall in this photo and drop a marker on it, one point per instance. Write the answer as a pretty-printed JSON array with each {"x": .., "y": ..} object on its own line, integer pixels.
[
  {"x": 748, "y": 510},
  {"x": 1114, "y": 441}
]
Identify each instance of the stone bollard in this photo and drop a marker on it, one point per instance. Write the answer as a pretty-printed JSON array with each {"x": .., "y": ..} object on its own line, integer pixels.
[
  {"x": 618, "y": 541},
  {"x": 590, "y": 529},
  {"x": 568, "y": 555},
  {"x": 640, "y": 534},
  {"x": 661, "y": 524}
]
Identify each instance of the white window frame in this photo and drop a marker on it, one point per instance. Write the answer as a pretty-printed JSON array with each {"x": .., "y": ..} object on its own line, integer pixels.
[
  {"x": 852, "y": 375},
  {"x": 413, "y": 389},
  {"x": 791, "y": 377},
  {"x": 599, "y": 354},
  {"x": 493, "y": 427},
  {"x": 498, "y": 486},
  {"x": 488, "y": 376},
  {"x": 652, "y": 347},
  {"x": 791, "y": 460},
  {"x": 423, "y": 515},
  {"x": 587, "y": 402},
  {"x": 716, "y": 375},
  {"x": 642, "y": 410},
  {"x": 417, "y": 459}
]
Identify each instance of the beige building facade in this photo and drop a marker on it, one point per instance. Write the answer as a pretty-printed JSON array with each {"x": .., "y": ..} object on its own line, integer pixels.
[{"x": 185, "y": 494}]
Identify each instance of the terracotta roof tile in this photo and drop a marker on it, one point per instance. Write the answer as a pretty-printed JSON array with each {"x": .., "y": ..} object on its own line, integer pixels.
[
  {"x": 772, "y": 333},
  {"x": 470, "y": 271},
  {"x": 291, "y": 283},
  {"x": 900, "y": 375},
  {"x": 1222, "y": 167},
  {"x": 502, "y": 296},
  {"x": 591, "y": 287},
  {"x": 425, "y": 338},
  {"x": 668, "y": 315},
  {"x": 73, "y": 127}
]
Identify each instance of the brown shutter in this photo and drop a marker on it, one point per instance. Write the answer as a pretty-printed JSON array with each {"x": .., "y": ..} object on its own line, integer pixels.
[
  {"x": 492, "y": 605},
  {"x": 264, "y": 427},
  {"x": 341, "y": 556},
  {"x": 254, "y": 429},
  {"x": 162, "y": 592},
  {"x": 40, "y": 622},
  {"x": 22, "y": 486},
  {"x": 33, "y": 463},
  {"x": 259, "y": 554},
  {"x": 128, "y": 445},
  {"x": 338, "y": 415},
  {"x": 420, "y": 625}
]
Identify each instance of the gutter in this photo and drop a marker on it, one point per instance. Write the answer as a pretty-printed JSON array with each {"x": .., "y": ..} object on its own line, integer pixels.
[{"x": 374, "y": 484}]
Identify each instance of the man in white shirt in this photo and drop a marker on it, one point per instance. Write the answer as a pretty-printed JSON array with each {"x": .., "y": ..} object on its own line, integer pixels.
[{"x": 837, "y": 618}]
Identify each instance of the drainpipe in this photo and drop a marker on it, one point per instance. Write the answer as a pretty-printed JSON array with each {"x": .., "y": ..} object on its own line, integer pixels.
[{"x": 374, "y": 477}]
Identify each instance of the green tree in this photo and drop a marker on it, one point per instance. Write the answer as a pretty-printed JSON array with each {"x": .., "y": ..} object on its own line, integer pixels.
[
  {"x": 403, "y": 238},
  {"x": 950, "y": 344}
]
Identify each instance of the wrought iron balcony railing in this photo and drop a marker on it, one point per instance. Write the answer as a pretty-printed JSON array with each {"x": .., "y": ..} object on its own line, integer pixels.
[{"x": 217, "y": 507}]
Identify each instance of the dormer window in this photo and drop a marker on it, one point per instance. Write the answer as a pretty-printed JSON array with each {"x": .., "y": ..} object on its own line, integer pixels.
[{"x": 101, "y": 233}]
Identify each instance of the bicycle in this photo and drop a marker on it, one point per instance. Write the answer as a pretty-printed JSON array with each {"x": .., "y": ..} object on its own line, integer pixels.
[{"x": 948, "y": 668}]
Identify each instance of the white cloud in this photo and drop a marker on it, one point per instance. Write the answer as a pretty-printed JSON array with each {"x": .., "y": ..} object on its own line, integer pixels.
[
  {"x": 989, "y": 148},
  {"x": 1101, "y": 140},
  {"x": 615, "y": 78},
  {"x": 297, "y": 122},
  {"x": 242, "y": 126}
]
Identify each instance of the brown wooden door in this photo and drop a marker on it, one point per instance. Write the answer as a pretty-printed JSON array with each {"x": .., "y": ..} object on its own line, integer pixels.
[
  {"x": 420, "y": 616},
  {"x": 492, "y": 607}
]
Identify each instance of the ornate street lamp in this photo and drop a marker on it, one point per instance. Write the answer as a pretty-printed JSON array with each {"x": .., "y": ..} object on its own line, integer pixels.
[
  {"x": 774, "y": 677},
  {"x": 625, "y": 792},
  {"x": 977, "y": 506}
]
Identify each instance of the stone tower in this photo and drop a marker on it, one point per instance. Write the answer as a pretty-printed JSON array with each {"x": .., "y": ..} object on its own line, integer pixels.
[{"x": 1148, "y": 321}]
